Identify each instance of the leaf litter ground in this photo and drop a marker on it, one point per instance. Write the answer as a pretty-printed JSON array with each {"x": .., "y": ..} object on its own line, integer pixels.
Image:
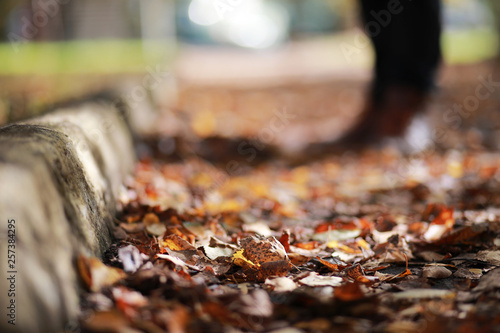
[{"x": 368, "y": 242}]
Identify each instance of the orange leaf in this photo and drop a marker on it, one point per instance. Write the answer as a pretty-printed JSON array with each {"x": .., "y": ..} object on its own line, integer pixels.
[
  {"x": 285, "y": 240},
  {"x": 445, "y": 217},
  {"x": 308, "y": 246},
  {"x": 339, "y": 225},
  {"x": 349, "y": 292},
  {"x": 356, "y": 273},
  {"x": 377, "y": 268},
  {"x": 329, "y": 265}
]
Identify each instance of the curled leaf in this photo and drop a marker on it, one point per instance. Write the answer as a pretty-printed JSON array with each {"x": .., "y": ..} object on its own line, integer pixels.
[{"x": 96, "y": 275}]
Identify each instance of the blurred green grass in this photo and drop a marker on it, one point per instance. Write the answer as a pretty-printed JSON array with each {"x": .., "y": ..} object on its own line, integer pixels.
[
  {"x": 469, "y": 46},
  {"x": 84, "y": 57}
]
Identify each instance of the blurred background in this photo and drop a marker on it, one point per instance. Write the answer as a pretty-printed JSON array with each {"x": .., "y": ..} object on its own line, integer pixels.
[{"x": 221, "y": 68}]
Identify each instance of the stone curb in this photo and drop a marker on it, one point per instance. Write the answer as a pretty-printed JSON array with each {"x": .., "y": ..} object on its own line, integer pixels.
[{"x": 59, "y": 177}]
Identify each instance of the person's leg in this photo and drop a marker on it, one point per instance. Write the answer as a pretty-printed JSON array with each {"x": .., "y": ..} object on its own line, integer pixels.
[
  {"x": 407, "y": 48},
  {"x": 406, "y": 39}
]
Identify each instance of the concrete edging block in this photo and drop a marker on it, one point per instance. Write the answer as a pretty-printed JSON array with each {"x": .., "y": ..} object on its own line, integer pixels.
[{"x": 59, "y": 177}]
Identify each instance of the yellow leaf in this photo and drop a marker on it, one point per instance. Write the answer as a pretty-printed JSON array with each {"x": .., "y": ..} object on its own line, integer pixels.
[
  {"x": 333, "y": 244},
  {"x": 240, "y": 260},
  {"x": 363, "y": 244}
]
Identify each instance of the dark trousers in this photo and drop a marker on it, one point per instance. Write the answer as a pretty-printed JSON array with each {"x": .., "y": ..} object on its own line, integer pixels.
[{"x": 406, "y": 38}]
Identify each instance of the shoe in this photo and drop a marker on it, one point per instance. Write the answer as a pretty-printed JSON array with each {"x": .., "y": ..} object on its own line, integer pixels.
[
  {"x": 389, "y": 117},
  {"x": 396, "y": 120}
]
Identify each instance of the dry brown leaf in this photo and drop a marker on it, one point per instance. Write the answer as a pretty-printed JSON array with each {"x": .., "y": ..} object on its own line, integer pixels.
[
  {"x": 273, "y": 268},
  {"x": 153, "y": 225},
  {"x": 356, "y": 273},
  {"x": 259, "y": 250},
  {"x": 436, "y": 272},
  {"x": 462, "y": 234},
  {"x": 239, "y": 259},
  {"x": 492, "y": 257},
  {"x": 96, "y": 275},
  {"x": 176, "y": 243},
  {"x": 349, "y": 292}
]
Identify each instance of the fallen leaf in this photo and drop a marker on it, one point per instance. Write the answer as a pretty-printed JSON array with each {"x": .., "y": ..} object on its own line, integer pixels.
[
  {"x": 436, "y": 272},
  {"x": 348, "y": 292},
  {"x": 177, "y": 261},
  {"x": 150, "y": 219},
  {"x": 281, "y": 284},
  {"x": 492, "y": 257},
  {"x": 462, "y": 234},
  {"x": 130, "y": 258},
  {"x": 441, "y": 224},
  {"x": 445, "y": 217},
  {"x": 132, "y": 227},
  {"x": 216, "y": 252},
  {"x": 308, "y": 245},
  {"x": 273, "y": 268},
  {"x": 435, "y": 232},
  {"x": 128, "y": 301},
  {"x": 489, "y": 281},
  {"x": 316, "y": 280},
  {"x": 176, "y": 243},
  {"x": 396, "y": 249},
  {"x": 356, "y": 273},
  {"x": 240, "y": 259},
  {"x": 153, "y": 226},
  {"x": 258, "y": 227},
  {"x": 96, "y": 275},
  {"x": 258, "y": 250},
  {"x": 464, "y": 273},
  {"x": 401, "y": 275},
  {"x": 344, "y": 248},
  {"x": 419, "y": 294},
  {"x": 336, "y": 235},
  {"x": 285, "y": 240},
  {"x": 329, "y": 265}
]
